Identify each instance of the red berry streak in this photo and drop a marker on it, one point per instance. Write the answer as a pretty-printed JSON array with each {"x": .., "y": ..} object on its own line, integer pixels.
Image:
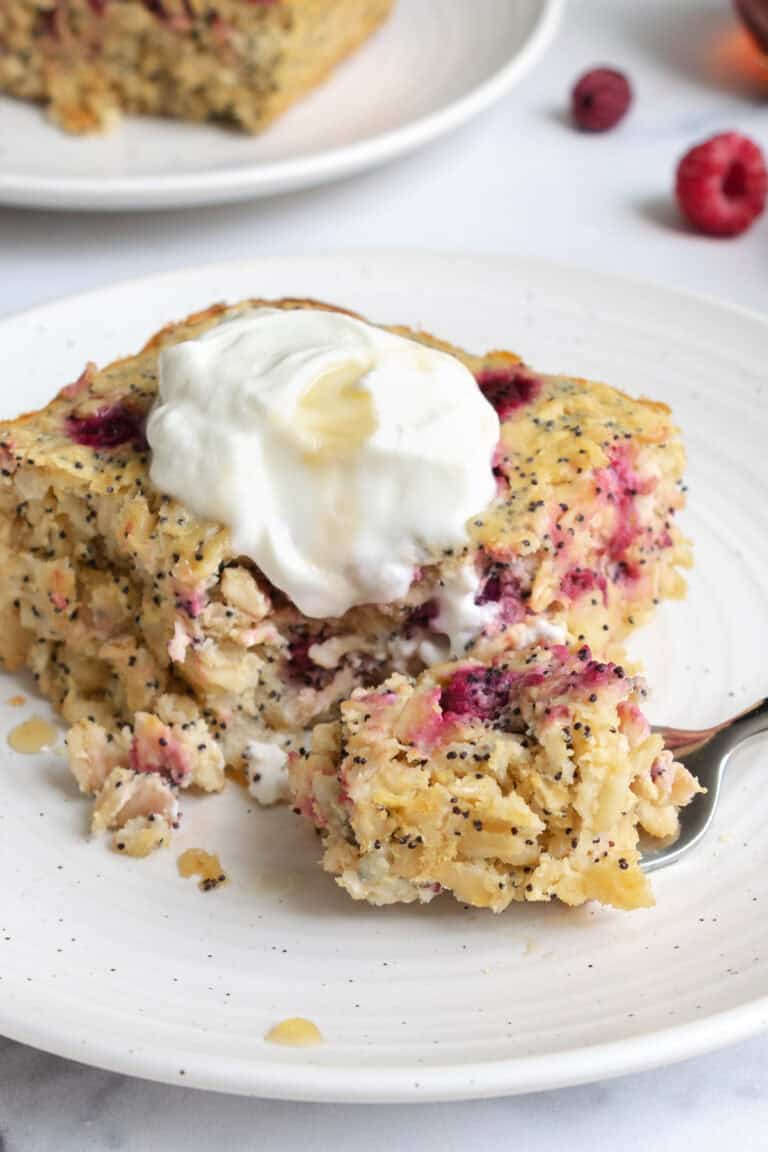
[
  {"x": 508, "y": 389},
  {"x": 600, "y": 100},
  {"x": 109, "y": 427},
  {"x": 722, "y": 184}
]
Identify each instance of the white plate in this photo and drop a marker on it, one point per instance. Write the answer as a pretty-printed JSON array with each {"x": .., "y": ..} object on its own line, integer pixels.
[
  {"x": 435, "y": 64},
  {"x": 121, "y": 963}
]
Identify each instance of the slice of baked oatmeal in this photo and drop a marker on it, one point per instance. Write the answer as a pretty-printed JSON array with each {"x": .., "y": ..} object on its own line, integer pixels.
[
  {"x": 526, "y": 778},
  {"x": 239, "y": 61},
  {"x": 131, "y": 611}
]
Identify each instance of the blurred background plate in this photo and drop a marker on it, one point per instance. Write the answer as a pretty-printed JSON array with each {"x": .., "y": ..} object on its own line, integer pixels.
[
  {"x": 122, "y": 964},
  {"x": 434, "y": 65}
]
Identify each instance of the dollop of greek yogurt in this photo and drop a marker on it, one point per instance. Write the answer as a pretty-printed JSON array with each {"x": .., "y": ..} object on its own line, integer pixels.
[
  {"x": 340, "y": 456},
  {"x": 267, "y": 769}
]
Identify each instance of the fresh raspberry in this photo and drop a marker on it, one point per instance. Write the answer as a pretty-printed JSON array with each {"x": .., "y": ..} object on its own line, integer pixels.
[
  {"x": 600, "y": 100},
  {"x": 721, "y": 184}
]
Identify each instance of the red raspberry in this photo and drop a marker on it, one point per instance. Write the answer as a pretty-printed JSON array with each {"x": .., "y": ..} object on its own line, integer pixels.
[
  {"x": 600, "y": 100},
  {"x": 722, "y": 184}
]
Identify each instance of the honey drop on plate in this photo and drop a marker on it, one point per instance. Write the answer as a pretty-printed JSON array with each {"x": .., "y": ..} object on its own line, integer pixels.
[
  {"x": 32, "y": 736},
  {"x": 295, "y": 1032}
]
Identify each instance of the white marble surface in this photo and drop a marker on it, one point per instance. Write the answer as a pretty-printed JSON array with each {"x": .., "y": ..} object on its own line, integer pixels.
[
  {"x": 50, "y": 1105},
  {"x": 517, "y": 180}
]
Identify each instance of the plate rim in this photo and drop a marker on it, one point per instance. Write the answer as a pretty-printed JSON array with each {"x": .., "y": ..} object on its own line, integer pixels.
[
  {"x": 395, "y": 255},
  {"x": 293, "y": 1079},
  {"x": 255, "y": 180},
  {"x": 407, "y": 1083}
]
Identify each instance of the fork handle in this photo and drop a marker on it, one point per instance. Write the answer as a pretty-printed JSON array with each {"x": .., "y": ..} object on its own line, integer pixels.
[
  {"x": 747, "y": 724},
  {"x": 684, "y": 741}
]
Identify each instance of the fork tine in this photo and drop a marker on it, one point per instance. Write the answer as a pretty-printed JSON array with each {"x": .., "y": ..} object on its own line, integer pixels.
[{"x": 707, "y": 753}]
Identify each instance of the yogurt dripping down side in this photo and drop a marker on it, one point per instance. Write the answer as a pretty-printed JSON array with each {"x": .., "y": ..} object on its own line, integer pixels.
[{"x": 340, "y": 456}]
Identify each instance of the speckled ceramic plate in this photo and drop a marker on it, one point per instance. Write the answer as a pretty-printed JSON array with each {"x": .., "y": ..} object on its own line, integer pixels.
[
  {"x": 434, "y": 65},
  {"x": 123, "y": 964}
]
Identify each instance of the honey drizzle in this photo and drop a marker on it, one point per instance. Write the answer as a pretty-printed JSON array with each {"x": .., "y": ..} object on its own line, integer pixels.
[
  {"x": 295, "y": 1032},
  {"x": 32, "y": 736}
]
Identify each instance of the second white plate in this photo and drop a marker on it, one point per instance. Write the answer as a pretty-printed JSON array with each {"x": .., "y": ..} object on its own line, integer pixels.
[{"x": 434, "y": 65}]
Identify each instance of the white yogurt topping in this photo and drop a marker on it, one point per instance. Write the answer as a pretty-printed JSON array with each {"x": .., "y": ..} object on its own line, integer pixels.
[
  {"x": 531, "y": 632},
  {"x": 339, "y": 455},
  {"x": 459, "y": 617},
  {"x": 267, "y": 772}
]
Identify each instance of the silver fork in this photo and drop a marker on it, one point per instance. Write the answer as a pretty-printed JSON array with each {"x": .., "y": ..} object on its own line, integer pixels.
[{"x": 707, "y": 754}]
